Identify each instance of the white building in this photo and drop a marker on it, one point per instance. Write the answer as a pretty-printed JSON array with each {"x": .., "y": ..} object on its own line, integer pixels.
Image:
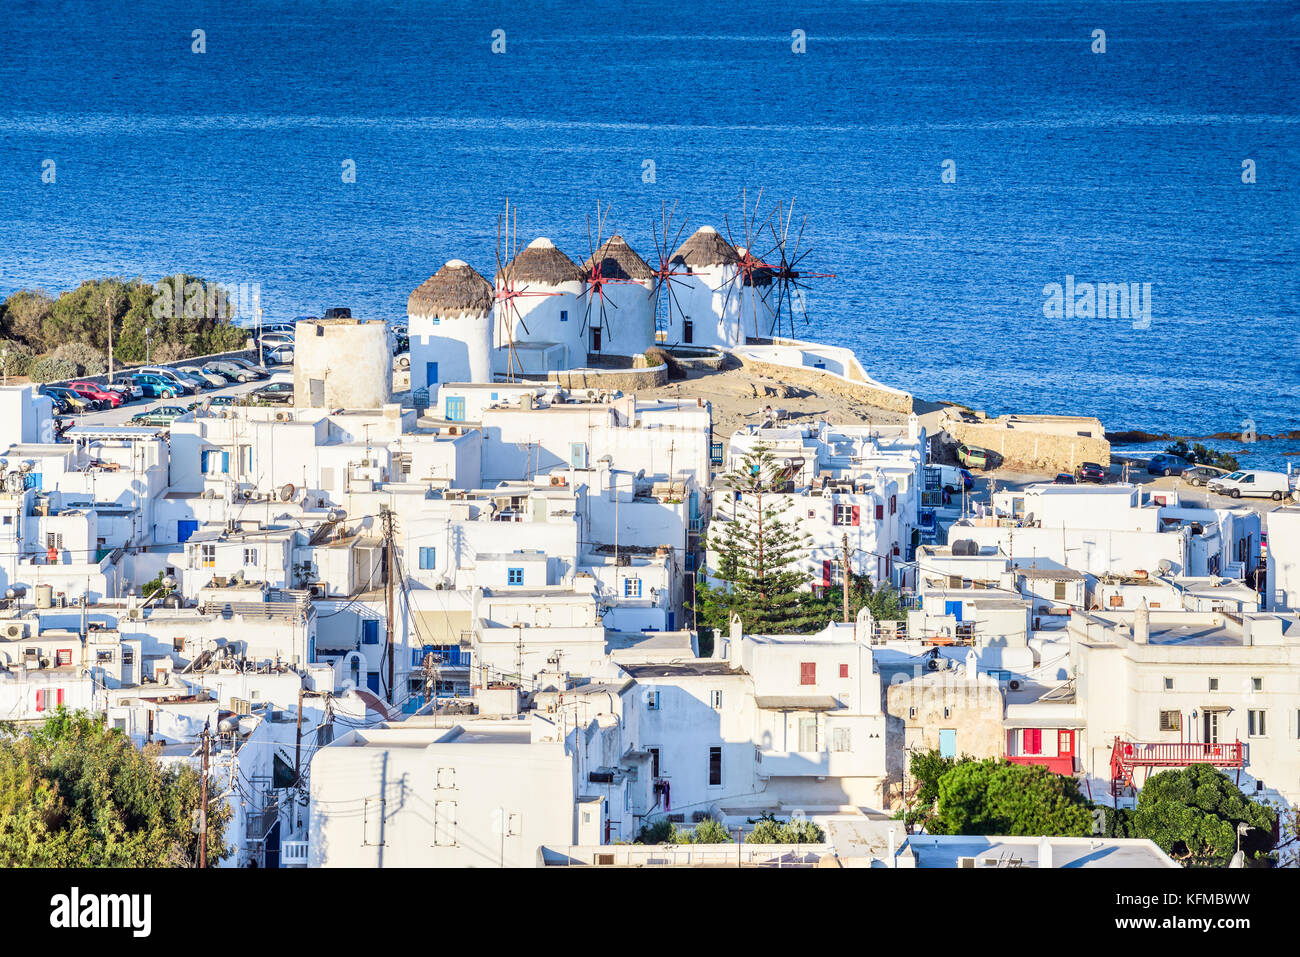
[
  {"x": 450, "y": 317},
  {"x": 708, "y": 316},
  {"x": 540, "y": 309},
  {"x": 1283, "y": 589},
  {"x": 629, "y": 324}
]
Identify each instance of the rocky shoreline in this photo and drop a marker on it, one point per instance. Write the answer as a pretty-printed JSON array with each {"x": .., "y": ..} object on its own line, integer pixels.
[{"x": 1138, "y": 437}]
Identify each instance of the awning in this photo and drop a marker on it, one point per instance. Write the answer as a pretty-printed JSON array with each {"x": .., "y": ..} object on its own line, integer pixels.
[
  {"x": 1013, "y": 724},
  {"x": 811, "y": 702}
]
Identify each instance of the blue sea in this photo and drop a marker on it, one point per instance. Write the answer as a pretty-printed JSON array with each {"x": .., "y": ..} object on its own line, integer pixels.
[{"x": 1124, "y": 166}]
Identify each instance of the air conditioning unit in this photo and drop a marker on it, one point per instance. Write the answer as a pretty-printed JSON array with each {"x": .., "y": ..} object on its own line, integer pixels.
[
  {"x": 135, "y": 614},
  {"x": 284, "y": 416},
  {"x": 453, "y": 430},
  {"x": 966, "y": 862},
  {"x": 16, "y": 629},
  {"x": 316, "y": 590},
  {"x": 1014, "y": 684}
]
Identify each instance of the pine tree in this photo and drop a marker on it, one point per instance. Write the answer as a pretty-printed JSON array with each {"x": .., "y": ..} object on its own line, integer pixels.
[{"x": 758, "y": 552}]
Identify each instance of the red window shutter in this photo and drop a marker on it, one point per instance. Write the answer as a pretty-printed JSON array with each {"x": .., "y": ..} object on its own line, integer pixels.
[
  {"x": 59, "y": 702},
  {"x": 856, "y": 515},
  {"x": 895, "y": 549},
  {"x": 1033, "y": 740},
  {"x": 880, "y": 512},
  {"x": 40, "y": 701},
  {"x": 844, "y": 671},
  {"x": 893, "y": 504},
  {"x": 826, "y": 572},
  {"x": 808, "y": 673}
]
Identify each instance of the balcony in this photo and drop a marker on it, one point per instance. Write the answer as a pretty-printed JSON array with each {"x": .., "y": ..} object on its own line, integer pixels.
[
  {"x": 293, "y": 853},
  {"x": 793, "y": 764}
]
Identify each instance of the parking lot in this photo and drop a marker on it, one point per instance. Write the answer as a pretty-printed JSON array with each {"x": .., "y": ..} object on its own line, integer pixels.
[{"x": 123, "y": 413}]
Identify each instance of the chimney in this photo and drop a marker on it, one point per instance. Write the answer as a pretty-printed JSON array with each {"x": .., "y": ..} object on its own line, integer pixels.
[
  {"x": 1045, "y": 852},
  {"x": 1142, "y": 624}
]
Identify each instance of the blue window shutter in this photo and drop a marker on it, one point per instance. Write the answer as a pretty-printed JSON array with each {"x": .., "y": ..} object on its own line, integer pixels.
[
  {"x": 428, "y": 557},
  {"x": 203, "y": 461},
  {"x": 225, "y": 461},
  {"x": 370, "y": 631}
]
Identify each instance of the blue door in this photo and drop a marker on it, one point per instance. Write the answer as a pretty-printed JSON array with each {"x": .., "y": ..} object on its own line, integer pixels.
[
  {"x": 455, "y": 408},
  {"x": 185, "y": 528},
  {"x": 952, "y": 608},
  {"x": 948, "y": 742},
  {"x": 672, "y": 620},
  {"x": 430, "y": 374},
  {"x": 372, "y": 681}
]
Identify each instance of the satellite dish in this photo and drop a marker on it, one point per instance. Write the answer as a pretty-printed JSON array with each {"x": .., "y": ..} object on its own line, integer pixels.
[
  {"x": 14, "y": 482},
  {"x": 286, "y": 492}
]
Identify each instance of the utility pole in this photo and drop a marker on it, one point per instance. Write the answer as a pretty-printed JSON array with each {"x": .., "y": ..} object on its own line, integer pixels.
[
  {"x": 203, "y": 803},
  {"x": 297, "y": 748},
  {"x": 108, "y": 314},
  {"x": 388, "y": 590},
  {"x": 846, "y": 578}
]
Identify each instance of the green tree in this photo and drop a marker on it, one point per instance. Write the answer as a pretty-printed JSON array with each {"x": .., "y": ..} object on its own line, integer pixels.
[
  {"x": 74, "y": 793},
  {"x": 758, "y": 552},
  {"x": 710, "y": 831},
  {"x": 998, "y": 797},
  {"x": 1193, "y": 814},
  {"x": 927, "y": 768},
  {"x": 884, "y": 601},
  {"x": 23, "y": 317}
]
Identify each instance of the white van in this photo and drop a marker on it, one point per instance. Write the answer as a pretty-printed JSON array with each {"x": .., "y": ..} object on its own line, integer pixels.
[{"x": 1253, "y": 483}]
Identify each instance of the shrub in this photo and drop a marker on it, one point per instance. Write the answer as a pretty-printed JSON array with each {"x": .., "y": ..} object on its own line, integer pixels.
[
  {"x": 768, "y": 830},
  {"x": 51, "y": 369},
  {"x": 170, "y": 352},
  {"x": 659, "y": 357},
  {"x": 88, "y": 359},
  {"x": 710, "y": 831},
  {"x": 19, "y": 359},
  {"x": 657, "y": 832}
]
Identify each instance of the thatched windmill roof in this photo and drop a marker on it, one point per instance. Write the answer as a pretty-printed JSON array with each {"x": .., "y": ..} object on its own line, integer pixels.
[
  {"x": 705, "y": 248},
  {"x": 456, "y": 289},
  {"x": 618, "y": 260},
  {"x": 541, "y": 262}
]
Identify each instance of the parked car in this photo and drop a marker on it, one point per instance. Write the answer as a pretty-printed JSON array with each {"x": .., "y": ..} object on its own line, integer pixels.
[
  {"x": 254, "y": 371},
  {"x": 1165, "y": 464},
  {"x": 278, "y": 355},
  {"x": 220, "y": 401},
  {"x": 973, "y": 457},
  {"x": 338, "y": 312},
  {"x": 76, "y": 403},
  {"x": 1253, "y": 483},
  {"x": 164, "y": 415},
  {"x": 181, "y": 378},
  {"x": 61, "y": 404},
  {"x": 271, "y": 338},
  {"x": 277, "y": 393},
  {"x": 97, "y": 393},
  {"x": 954, "y": 479},
  {"x": 1090, "y": 472},
  {"x": 1063, "y": 478},
  {"x": 208, "y": 379},
  {"x": 158, "y": 387},
  {"x": 1203, "y": 474},
  {"x": 126, "y": 389}
]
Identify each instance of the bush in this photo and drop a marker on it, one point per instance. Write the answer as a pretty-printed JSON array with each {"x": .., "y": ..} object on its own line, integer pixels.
[
  {"x": 658, "y": 832},
  {"x": 710, "y": 831},
  {"x": 19, "y": 360},
  {"x": 768, "y": 830},
  {"x": 51, "y": 369},
  {"x": 88, "y": 359},
  {"x": 661, "y": 357}
]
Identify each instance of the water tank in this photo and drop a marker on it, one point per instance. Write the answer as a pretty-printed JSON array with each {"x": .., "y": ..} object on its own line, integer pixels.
[
  {"x": 16, "y": 591},
  {"x": 229, "y": 724},
  {"x": 342, "y": 364},
  {"x": 44, "y": 596}
]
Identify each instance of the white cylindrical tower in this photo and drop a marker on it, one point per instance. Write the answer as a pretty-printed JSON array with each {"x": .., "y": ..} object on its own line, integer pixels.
[
  {"x": 710, "y": 304},
  {"x": 342, "y": 364},
  {"x": 539, "y": 304},
  {"x": 449, "y": 320},
  {"x": 629, "y": 311}
]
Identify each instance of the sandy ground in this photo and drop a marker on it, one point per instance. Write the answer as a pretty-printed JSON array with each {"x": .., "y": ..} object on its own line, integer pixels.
[{"x": 731, "y": 394}]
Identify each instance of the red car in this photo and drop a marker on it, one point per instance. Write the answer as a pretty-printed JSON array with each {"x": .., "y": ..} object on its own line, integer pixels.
[{"x": 92, "y": 391}]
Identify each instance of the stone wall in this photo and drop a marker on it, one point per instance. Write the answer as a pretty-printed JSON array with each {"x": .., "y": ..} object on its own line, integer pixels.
[
  {"x": 624, "y": 380},
  {"x": 828, "y": 383},
  {"x": 1029, "y": 445}
]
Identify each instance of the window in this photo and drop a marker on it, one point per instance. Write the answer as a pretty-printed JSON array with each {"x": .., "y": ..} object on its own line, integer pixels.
[
  {"x": 1257, "y": 684},
  {"x": 715, "y": 767},
  {"x": 893, "y": 504},
  {"x": 1031, "y": 741},
  {"x": 844, "y": 671},
  {"x": 53, "y": 540},
  {"x": 808, "y": 673},
  {"x": 880, "y": 513},
  {"x": 1214, "y": 684},
  {"x": 250, "y": 556},
  {"x": 845, "y": 515},
  {"x": 370, "y": 631},
  {"x": 631, "y": 588},
  {"x": 446, "y": 777},
  {"x": 514, "y": 576},
  {"x": 63, "y": 657},
  {"x": 652, "y": 700},
  {"x": 1169, "y": 684},
  {"x": 1059, "y": 593},
  {"x": 1171, "y": 720},
  {"x": 654, "y": 762},
  {"x": 1255, "y": 724},
  {"x": 428, "y": 557},
  {"x": 841, "y": 740},
  {"x": 715, "y": 700},
  {"x": 688, "y": 331},
  {"x": 564, "y": 315},
  {"x": 207, "y": 556}
]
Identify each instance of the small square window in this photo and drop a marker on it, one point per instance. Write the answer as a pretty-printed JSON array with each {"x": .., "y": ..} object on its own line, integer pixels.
[
  {"x": 844, "y": 671},
  {"x": 631, "y": 588},
  {"x": 715, "y": 700},
  {"x": 564, "y": 315},
  {"x": 1169, "y": 684},
  {"x": 514, "y": 576},
  {"x": 1214, "y": 684},
  {"x": 1257, "y": 684},
  {"x": 1255, "y": 723}
]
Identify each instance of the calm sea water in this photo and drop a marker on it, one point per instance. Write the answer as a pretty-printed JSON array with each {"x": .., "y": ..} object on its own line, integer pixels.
[{"x": 1117, "y": 167}]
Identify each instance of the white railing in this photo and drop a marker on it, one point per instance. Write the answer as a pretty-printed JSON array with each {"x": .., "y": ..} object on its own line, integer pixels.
[
  {"x": 293, "y": 853},
  {"x": 686, "y": 855}
]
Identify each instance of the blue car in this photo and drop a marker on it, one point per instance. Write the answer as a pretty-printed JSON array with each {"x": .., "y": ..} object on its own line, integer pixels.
[
  {"x": 1165, "y": 464},
  {"x": 157, "y": 387}
]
